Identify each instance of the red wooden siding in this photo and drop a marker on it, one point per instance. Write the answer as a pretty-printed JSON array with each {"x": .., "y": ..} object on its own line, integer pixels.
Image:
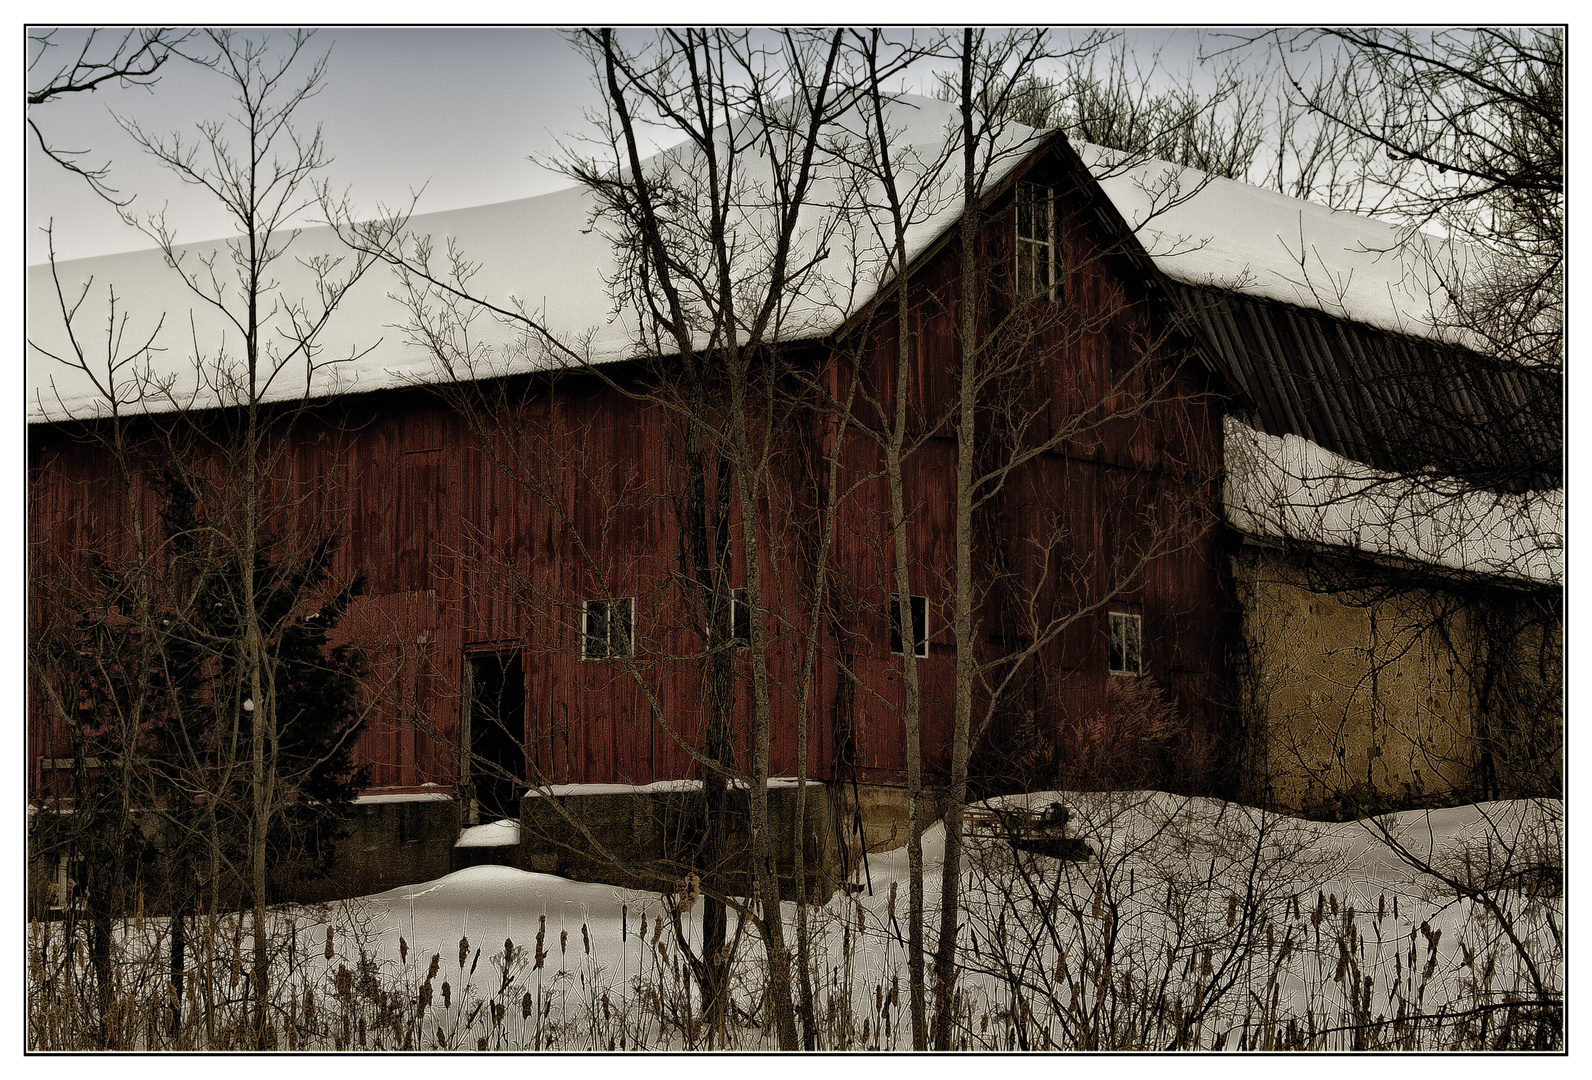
[{"x": 469, "y": 548}]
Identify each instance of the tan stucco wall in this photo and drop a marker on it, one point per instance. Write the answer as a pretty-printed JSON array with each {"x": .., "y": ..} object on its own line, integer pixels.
[{"x": 1350, "y": 697}]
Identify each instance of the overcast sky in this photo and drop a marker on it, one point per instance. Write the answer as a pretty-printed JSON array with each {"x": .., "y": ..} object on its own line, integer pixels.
[{"x": 460, "y": 111}]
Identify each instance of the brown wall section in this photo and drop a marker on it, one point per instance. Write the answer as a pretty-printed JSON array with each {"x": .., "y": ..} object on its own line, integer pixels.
[{"x": 1356, "y": 699}]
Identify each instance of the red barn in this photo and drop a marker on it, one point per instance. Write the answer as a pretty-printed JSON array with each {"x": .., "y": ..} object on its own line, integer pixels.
[{"x": 517, "y": 529}]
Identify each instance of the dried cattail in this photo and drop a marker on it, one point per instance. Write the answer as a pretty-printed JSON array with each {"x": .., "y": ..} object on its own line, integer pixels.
[
  {"x": 585, "y": 939},
  {"x": 403, "y": 950},
  {"x": 657, "y": 928},
  {"x": 329, "y": 952},
  {"x": 508, "y": 951},
  {"x": 436, "y": 962},
  {"x": 563, "y": 942},
  {"x": 464, "y": 950},
  {"x": 527, "y": 1006},
  {"x": 447, "y": 995}
]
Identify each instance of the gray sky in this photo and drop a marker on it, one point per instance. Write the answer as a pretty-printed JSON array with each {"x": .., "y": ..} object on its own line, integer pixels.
[
  {"x": 460, "y": 108},
  {"x": 457, "y": 110}
]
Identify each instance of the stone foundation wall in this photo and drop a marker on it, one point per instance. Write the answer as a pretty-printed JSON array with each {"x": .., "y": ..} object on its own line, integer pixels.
[
  {"x": 1351, "y": 699},
  {"x": 639, "y": 840}
]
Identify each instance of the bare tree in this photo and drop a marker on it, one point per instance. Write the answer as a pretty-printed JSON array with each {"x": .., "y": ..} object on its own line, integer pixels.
[
  {"x": 207, "y": 445},
  {"x": 133, "y": 59}
]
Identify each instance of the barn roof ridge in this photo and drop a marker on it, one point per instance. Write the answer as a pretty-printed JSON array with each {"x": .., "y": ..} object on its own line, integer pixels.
[{"x": 564, "y": 276}]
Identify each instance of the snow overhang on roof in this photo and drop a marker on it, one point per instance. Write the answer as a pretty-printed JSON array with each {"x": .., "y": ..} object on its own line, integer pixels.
[
  {"x": 546, "y": 256},
  {"x": 1290, "y": 489},
  {"x": 1208, "y": 230}
]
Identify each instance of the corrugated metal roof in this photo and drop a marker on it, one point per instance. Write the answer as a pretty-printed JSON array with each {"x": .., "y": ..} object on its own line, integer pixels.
[{"x": 1400, "y": 404}]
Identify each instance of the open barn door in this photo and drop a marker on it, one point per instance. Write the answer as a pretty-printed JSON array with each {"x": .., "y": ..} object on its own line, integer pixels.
[{"x": 493, "y": 765}]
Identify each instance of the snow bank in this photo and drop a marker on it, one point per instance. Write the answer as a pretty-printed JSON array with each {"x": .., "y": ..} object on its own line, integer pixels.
[
  {"x": 1167, "y": 858},
  {"x": 505, "y": 833},
  {"x": 1292, "y": 489}
]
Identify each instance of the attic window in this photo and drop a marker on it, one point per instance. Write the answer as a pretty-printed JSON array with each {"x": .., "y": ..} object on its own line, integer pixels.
[
  {"x": 1126, "y": 658},
  {"x": 608, "y": 627},
  {"x": 1036, "y": 248},
  {"x": 920, "y": 625}
]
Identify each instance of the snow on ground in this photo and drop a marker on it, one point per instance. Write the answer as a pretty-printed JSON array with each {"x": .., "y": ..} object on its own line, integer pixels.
[
  {"x": 1172, "y": 873},
  {"x": 505, "y": 833}
]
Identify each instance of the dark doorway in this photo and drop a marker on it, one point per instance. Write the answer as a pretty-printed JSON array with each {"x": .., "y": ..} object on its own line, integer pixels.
[{"x": 497, "y": 735}]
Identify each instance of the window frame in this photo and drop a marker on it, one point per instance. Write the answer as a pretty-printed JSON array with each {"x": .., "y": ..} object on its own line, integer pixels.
[
  {"x": 1033, "y": 252},
  {"x": 1126, "y": 620},
  {"x": 587, "y": 637},
  {"x": 920, "y": 644},
  {"x": 740, "y": 636}
]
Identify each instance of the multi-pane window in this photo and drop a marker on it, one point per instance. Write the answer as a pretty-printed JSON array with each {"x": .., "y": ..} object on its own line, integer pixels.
[
  {"x": 1126, "y": 658},
  {"x": 920, "y": 625},
  {"x": 1036, "y": 247},
  {"x": 608, "y": 627}
]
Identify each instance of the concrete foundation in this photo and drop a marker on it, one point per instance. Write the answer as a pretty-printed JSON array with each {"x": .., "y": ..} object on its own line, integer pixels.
[{"x": 640, "y": 839}]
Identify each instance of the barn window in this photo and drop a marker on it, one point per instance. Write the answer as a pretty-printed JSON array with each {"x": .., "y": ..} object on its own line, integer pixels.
[
  {"x": 1125, "y": 655},
  {"x": 920, "y": 625},
  {"x": 1036, "y": 248},
  {"x": 607, "y": 628},
  {"x": 740, "y": 616}
]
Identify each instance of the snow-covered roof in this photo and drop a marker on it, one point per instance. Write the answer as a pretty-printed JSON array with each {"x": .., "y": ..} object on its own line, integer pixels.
[
  {"x": 546, "y": 255},
  {"x": 1288, "y": 488},
  {"x": 1208, "y": 230}
]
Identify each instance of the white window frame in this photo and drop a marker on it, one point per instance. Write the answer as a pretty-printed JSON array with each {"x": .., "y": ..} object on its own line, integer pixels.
[
  {"x": 1034, "y": 252},
  {"x": 1132, "y": 629},
  {"x": 738, "y": 606},
  {"x": 589, "y": 650},
  {"x": 920, "y": 644}
]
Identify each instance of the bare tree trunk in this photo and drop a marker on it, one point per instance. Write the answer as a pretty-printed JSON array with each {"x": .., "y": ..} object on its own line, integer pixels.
[{"x": 962, "y": 616}]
